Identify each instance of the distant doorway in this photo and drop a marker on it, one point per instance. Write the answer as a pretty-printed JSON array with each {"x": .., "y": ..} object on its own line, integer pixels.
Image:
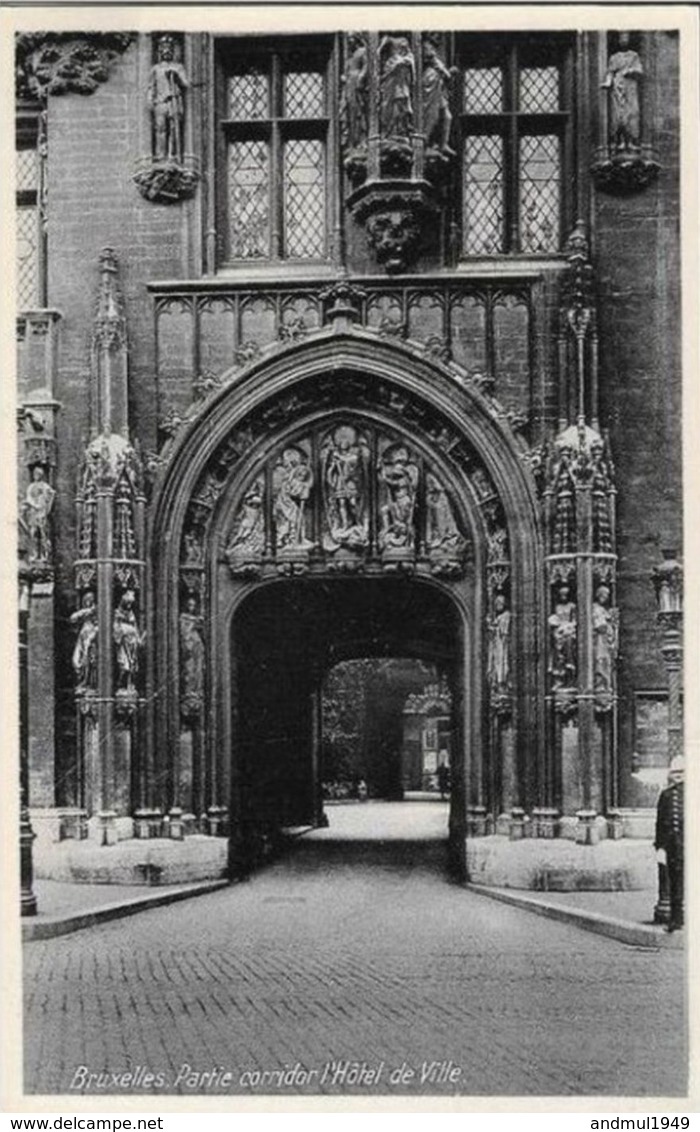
[{"x": 386, "y": 730}]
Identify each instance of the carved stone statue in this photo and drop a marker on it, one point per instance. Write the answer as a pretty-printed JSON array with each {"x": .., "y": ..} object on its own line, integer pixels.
[
  {"x": 292, "y": 483},
  {"x": 605, "y": 640},
  {"x": 345, "y": 488},
  {"x": 442, "y": 531},
  {"x": 562, "y": 621},
  {"x": 497, "y": 545},
  {"x": 191, "y": 658},
  {"x": 248, "y": 536},
  {"x": 498, "y": 668},
  {"x": 355, "y": 93},
  {"x": 128, "y": 641},
  {"x": 399, "y": 475},
  {"x": 192, "y": 549},
  {"x": 85, "y": 651},
  {"x": 437, "y": 116},
  {"x": 166, "y": 97},
  {"x": 397, "y": 77},
  {"x": 622, "y": 81},
  {"x": 38, "y": 503}
]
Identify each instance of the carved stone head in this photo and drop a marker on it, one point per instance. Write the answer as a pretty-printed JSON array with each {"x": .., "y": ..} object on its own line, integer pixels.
[{"x": 394, "y": 237}]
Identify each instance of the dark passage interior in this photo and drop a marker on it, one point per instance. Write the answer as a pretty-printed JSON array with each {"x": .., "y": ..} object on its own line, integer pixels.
[{"x": 286, "y": 638}]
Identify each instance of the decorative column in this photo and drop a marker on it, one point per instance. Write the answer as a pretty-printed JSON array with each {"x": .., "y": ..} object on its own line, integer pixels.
[
  {"x": 28, "y": 905},
  {"x": 667, "y": 579},
  {"x": 37, "y": 350},
  {"x": 109, "y": 574},
  {"x": 581, "y": 565}
]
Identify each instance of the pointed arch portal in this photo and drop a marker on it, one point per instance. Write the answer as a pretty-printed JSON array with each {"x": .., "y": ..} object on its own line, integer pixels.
[{"x": 345, "y": 496}]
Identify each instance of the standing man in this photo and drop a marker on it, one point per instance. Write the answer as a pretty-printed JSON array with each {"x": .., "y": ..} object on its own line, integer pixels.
[{"x": 669, "y": 839}]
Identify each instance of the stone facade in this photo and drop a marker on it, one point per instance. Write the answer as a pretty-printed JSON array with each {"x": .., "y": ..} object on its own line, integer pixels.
[{"x": 331, "y": 349}]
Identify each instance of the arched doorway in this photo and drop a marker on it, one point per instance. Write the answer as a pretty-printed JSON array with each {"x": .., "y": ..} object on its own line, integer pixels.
[
  {"x": 344, "y": 465},
  {"x": 284, "y": 638}
]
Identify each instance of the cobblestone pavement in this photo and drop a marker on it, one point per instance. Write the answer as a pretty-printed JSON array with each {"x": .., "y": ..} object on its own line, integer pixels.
[{"x": 360, "y": 957}]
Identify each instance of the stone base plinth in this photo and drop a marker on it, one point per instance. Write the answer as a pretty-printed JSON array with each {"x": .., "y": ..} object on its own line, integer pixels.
[
  {"x": 561, "y": 866},
  {"x": 152, "y": 862}
]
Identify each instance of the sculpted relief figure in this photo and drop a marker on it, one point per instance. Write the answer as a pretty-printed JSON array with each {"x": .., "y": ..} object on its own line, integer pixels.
[
  {"x": 397, "y": 76},
  {"x": 605, "y": 640},
  {"x": 292, "y": 483},
  {"x": 248, "y": 538},
  {"x": 166, "y": 98},
  {"x": 442, "y": 532},
  {"x": 38, "y": 503},
  {"x": 355, "y": 93},
  {"x": 399, "y": 477},
  {"x": 437, "y": 116},
  {"x": 498, "y": 668},
  {"x": 622, "y": 81},
  {"x": 564, "y": 639},
  {"x": 345, "y": 487},
  {"x": 85, "y": 651},
  {"x": 128, "y": 641},
  {"x": 191, "y": 657}
]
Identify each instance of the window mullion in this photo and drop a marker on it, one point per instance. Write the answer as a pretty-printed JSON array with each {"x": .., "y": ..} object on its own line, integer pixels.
[
  {"x": 276, "y": 159},
  {"x": 512, "y": 186}
]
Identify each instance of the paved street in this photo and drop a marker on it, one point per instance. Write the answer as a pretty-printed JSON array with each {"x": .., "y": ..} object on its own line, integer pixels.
[{"x": 365, "y": 956}]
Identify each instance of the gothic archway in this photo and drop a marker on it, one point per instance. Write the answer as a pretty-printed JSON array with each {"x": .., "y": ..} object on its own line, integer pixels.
[{"x": 439, "y": 493}]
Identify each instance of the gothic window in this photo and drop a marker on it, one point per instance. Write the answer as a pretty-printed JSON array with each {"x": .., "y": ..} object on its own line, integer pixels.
[
  {"x": 516, "y": 100},
  {"x": 28, "y": 223},
  {"x": 273, "y": 151}
]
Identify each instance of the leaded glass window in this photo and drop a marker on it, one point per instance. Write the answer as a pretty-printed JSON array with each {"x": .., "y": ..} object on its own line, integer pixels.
[
  {"x": 303, "y": 94},
  {"x": 517, "y": 92},
  {"x": 249, "y": 199},
  {"x": 483, "y": 90},
  {"x": 483, "y": 195},
  {"x": 539, "y": 89},
  {"x": 27, "y": 228},
  {"x": 540, "y": 178},
  {"x": 304, "y": 199},
  {"x": 249, "y": 96},
  {"x": 275, "y": 129}
]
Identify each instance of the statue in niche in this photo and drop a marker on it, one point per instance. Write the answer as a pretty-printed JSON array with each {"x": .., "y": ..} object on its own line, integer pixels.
[
  {"x": 564, "y": 533},
  {"x": 191, "y": 656},
  {"x": 605, "y": 640},
  {"x": 397, "y": 76},
  {"x": 38, "y": 504},
  {"x": 497, "y": 545},
  {"x": 442, "y": 531},
  {"x": 192, "y": 551},
  {"x": 622, "y": 81},
  {"x": 166, "y": 97},
  {"x": 564, "y": 640},
  {"x": 399, "y": 475},
  {"x": 498, "y": 666},
  {"x": 600, "y": 507},
  {"x": 355, "y": 93},
  {"x": 292, "y": 483},
  {"x": 345, "y": 482},
  {"x": 85, "y": 651},
  {"x": 128, "y": 640},
  {"x": 437, "y": 116},
  {"x": 249, "y": 529},
  {"x": 123, "y": 525}
]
